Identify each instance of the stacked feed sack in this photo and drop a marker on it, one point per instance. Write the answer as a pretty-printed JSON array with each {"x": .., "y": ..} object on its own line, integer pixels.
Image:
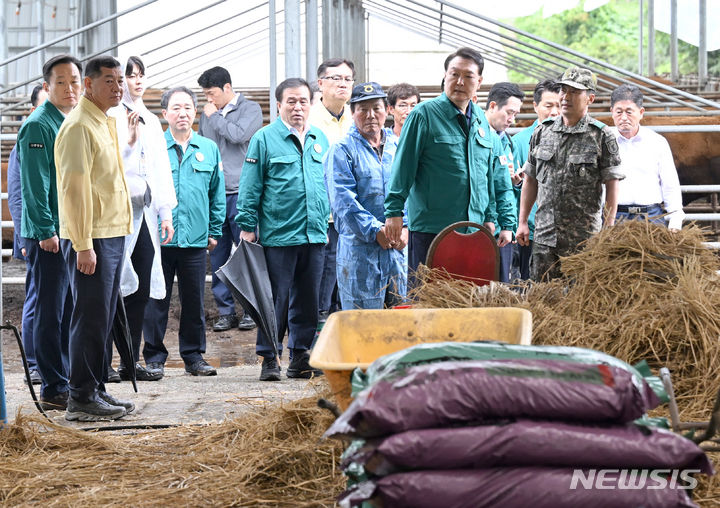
[{"x": 483, "y": 428}]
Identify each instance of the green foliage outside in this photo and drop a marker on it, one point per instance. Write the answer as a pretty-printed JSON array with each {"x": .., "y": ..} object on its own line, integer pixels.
[{"x": 608, "y": 33}]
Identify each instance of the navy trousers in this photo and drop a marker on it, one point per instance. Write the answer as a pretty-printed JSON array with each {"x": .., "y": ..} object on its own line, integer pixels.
[
  {"x": 329, "y": 297},
  {"x": 295, "y": 278},
  {"x": 220, "y": 254},
  {"x": 135, "y": 303},
  {"x": 418, "y": 247},
  {"x": 28, "y": 314},
  {"x": 506, "y": 255},
  {"x": 189, "y": 264},
  {"x": 94, "y": 306},
  {"x": 522, "y": 254},
  {"x": 51, "y": 317}
]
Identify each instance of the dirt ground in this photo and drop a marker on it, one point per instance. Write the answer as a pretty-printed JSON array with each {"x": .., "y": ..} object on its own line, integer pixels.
[{"x": 224, "y": 349}]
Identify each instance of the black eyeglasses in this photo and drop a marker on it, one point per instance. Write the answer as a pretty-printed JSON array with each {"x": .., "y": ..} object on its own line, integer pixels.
[{"x": 337, "y": 79}]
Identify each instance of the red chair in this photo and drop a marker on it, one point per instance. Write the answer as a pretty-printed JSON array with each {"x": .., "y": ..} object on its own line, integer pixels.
[{"x": 473, "y": 257}]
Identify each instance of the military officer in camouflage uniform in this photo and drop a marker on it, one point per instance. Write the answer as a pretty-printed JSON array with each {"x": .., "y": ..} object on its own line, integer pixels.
[{"x": 571, "y": 157}]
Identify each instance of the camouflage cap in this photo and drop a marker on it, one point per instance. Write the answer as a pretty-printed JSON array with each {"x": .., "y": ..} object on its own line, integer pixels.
[{"x": 577, "y": 77}]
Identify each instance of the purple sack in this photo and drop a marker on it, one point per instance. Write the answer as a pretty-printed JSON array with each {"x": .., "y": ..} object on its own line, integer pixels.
[
  {"x": 461, "y": 392},
  {"x": 531, "y": 443},
  {"x": 520, "y": 488}
]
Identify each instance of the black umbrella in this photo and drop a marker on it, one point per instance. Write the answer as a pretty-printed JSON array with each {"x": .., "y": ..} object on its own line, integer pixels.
[
  {"x": 120, "y": 333},
  {"x": 246, "y": 274}
]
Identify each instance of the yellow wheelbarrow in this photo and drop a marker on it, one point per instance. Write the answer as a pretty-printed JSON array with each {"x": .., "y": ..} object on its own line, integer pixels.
[{"x": 355, "y": 338}]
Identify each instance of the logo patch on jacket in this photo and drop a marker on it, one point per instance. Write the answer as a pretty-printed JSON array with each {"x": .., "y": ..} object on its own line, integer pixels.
[
  {"x": 36, "y": 145},
  {"x": 251, "y": 160}
]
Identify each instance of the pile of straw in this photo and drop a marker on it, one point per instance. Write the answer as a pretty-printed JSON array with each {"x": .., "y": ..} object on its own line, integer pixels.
[
  {"x": 267, "y": 457},
  {"x": 636, "y": 291}
]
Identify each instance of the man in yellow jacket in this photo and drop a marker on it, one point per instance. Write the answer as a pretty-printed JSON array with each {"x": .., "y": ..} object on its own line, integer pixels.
[{"x": 95, "y": 216}]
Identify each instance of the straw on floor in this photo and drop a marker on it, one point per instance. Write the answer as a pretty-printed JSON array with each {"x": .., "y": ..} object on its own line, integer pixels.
[{"x": 270, "y": 456}]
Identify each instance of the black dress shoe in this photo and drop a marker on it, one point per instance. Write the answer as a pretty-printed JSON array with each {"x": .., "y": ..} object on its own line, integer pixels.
[
  {"x": 57, "y": 402},
  {"x": 270, "y": 370},
  {"x": 156, "y": 367},
  {"x": 246, "y": 323},
  {"x": 200, "y": 368},
  {"x": 113, "y": 376},
  {"x": 225, "y": 322},
  {"x": 141, "y": 373},
  {"x": 34, "y": 377},
  {"x": 300, "y": 366}
]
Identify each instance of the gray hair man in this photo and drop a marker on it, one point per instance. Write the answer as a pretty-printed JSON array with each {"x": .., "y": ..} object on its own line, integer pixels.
[{"x": 651, "y": 181}]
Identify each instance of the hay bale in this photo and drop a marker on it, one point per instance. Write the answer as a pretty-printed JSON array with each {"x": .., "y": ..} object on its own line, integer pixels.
[{"x": 269, "y": 456}]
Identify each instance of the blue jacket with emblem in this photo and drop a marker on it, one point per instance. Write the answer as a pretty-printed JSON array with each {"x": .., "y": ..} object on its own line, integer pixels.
[
  {"x": 200, "y": 189},
  {"x": 282, "y": 189},
  {"x": 357, "y": 180}
]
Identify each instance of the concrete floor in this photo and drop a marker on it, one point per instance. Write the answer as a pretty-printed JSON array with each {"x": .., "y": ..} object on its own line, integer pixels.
[{"x": 179, "y": 398}]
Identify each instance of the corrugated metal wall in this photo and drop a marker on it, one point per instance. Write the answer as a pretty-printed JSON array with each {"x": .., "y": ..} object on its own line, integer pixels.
[{"x": 26, "y": 19}]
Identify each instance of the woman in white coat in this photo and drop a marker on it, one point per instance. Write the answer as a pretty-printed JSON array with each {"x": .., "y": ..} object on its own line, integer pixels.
[{"x": 149, "y": 178}]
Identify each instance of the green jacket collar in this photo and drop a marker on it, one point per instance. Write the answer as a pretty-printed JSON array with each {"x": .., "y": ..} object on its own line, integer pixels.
[
  {"x": 170, "y": 140},
  {"x": 48, "y": 108},
  {"x": 280, "y": 128}
]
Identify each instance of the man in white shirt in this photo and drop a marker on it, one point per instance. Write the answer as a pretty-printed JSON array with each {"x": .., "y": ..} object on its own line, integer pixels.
[{"x": 651, "y": 187}]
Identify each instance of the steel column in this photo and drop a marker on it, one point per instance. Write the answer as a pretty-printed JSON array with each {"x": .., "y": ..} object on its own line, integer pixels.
[
  {"x": 640, "y": 39},
  {"x": 3, "y": 48},
  {"x": 342, "y": 32},
  {"x": 651, "y": 38},
  {"x": 702, "y": 46},
  {"x": 293, "y": 55},
  {"x": 674, "y": 74},
  {"x": 311, "y": 40},
  {"x": 41, "y": 29},
  {"x": 328, "y": 29},
  {"x": 273, "y": 60}
]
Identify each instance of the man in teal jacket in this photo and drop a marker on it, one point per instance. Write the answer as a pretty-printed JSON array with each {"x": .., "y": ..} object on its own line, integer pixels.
[
  {"x": 503, "y": 104},
  {"x": 282, "y": 192},
  {"x": 445, "y": 163},
  {"x": 41, "y": 225},
  {"x": 198, "y": 219},
  {"x": 546, "y": 102}
]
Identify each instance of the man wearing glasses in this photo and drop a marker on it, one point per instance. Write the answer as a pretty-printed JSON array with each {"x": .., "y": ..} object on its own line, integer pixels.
[{"x": 331, "y": 114}]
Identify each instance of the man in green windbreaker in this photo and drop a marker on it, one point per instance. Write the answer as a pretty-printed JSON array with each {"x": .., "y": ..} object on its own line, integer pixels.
[
  {"x": 282, "y": 192},
  {"x": 41, "y": 226},
  {"x": 445, "y": 162},
  {"x": 197, "y": 220}
]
